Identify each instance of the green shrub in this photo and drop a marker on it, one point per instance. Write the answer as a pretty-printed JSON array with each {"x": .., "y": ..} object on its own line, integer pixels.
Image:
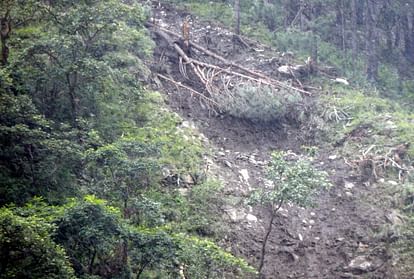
[
  {"x": 27, "y": 250},
  {"x": 260, "y": 103}
]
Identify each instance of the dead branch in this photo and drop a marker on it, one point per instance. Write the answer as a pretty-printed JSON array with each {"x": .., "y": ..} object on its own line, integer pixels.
[
  {"x": 379, "y": 163},
  {"x": 201, "y": 95}
]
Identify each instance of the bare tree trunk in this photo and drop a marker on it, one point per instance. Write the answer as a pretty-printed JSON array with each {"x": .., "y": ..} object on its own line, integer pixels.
[
  {"x": 371, "y": 36},
  {"x": 237, "y": 17},
  {"x": 343, "y": 34},
  {"x": 354, "y": 28}
]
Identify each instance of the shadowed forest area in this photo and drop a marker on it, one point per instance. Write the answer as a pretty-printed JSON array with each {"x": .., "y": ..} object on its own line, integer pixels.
[{"x": 206, "y": 139}]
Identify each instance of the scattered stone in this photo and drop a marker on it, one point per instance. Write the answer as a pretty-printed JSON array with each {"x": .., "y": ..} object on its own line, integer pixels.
[
  {"x": 333, "y": 157},
  {"x": 300, "y": 237},
  {"x": 187, "y": 179},
  {"x": 342, "y": 81},
  {"x": 360, "y": 264},
  {"x": 340, "y": 239},
  {"x": 317, "y": 238},
  {"x": 235, "y": 214},
  {"x": 183, "y": 191},
  {"x": 311, "y": 222},
  {"x": 304, "y": 222},
  {"x": 245, "y": 175},
  {"x": 222, "y": 154},
  {"x": 228, "y": 164},
  {"x": 312, "y": 214},
  {"x": 333, "y": 209},
  {"x": 251, "y": 218},
  {"x": 252, "y": 161},
  {"x": 203, "y": 138},
  {"x": 187, "y": 124},
  {"x": 348, "y": 194},
  {"x": 349, "y": 185},
  {"x": 393, "y": 183}
]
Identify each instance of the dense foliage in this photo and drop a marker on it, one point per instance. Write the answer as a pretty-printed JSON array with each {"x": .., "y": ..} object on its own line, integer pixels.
[{"x": 79, "y": 130}]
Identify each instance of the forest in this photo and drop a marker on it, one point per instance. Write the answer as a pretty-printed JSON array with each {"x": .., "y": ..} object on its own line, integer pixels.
[{"x": 206, "y": 139}]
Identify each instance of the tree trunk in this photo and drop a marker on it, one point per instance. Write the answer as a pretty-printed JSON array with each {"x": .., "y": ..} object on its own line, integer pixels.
[
  {"x": 264, "y": 244},
  {"x": 371, "y": 36},
  {"x": 354, "y": 28},
  {"x": 266, "y": 238},
  {"x": 237, "y": 17},
  {"x": 5, "y": 29}
]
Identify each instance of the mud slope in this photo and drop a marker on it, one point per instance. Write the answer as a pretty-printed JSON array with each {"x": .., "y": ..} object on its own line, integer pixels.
[{"x": 335, "y": 239}]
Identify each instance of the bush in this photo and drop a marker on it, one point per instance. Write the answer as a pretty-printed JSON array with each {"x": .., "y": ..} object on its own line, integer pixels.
[
  {"x": 261, "y": 103},
  {"x": 27, "y": 250}
]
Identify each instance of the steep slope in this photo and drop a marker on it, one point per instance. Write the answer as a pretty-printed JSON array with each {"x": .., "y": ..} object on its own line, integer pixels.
[{"x": 335, "y": 239}]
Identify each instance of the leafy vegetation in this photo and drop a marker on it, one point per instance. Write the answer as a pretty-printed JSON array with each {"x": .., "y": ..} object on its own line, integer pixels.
[
  {"x": 87, "y": 150},
  {"x": 290, "y": 180},
  {"x": 27, "y": 249}
]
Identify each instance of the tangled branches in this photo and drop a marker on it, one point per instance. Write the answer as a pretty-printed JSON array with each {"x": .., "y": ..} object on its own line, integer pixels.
[
  {"x": 373, "y": 164},
  {"x": 218, "y": 77}
]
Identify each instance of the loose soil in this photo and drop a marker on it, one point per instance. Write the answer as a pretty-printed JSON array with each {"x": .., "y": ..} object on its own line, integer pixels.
[{"x": 337, "y": 238}]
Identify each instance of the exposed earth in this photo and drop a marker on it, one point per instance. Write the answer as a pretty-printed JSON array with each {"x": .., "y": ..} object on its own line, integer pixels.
[{"x": 338, "y": 238}]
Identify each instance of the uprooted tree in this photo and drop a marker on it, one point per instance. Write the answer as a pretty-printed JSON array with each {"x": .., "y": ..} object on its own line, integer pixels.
[{"x": 222, "y": 84}]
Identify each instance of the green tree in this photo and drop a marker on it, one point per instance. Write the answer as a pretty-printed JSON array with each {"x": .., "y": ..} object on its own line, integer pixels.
[
  {"x": 27, "y": 251},
  {"x": 37, "y": 157},
  {"x": 291, "y": 180},
  {"x": 121, "y": 171},
  {"x": 92, "y": 233},
  {"x": 83, "y": 60}
]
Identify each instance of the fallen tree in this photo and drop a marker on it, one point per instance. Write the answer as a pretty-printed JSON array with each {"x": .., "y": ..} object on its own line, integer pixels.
[{"x": 218, "y": 76}]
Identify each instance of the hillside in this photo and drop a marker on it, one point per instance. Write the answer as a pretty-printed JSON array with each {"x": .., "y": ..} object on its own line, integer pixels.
[
  {"x": 145, "y": 139},
  {"x": 338, "y": 238}
]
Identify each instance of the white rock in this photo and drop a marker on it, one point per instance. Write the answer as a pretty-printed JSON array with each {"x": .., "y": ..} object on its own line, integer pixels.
[
  {"x": 349, "y": 185},
  {"x": 300, "y": 237},
  {"x": 311, "y": 222},
  {"x": 312, "y": 214},
  {"x": 348, "y": 194},
  {"x": 245, "y": 175},
  {"x": 227, "y": 164},
  {"x": 342, "y": 80},
  {"x": 251, "y": 218},
  {"x": 332, "y": 157},
  {"x": 360, "y": 263},
  {"x": 393, "y": 183}
]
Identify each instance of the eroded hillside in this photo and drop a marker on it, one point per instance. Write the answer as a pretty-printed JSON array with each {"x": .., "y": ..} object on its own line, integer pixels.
[{"x": 342, "y": 235}]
